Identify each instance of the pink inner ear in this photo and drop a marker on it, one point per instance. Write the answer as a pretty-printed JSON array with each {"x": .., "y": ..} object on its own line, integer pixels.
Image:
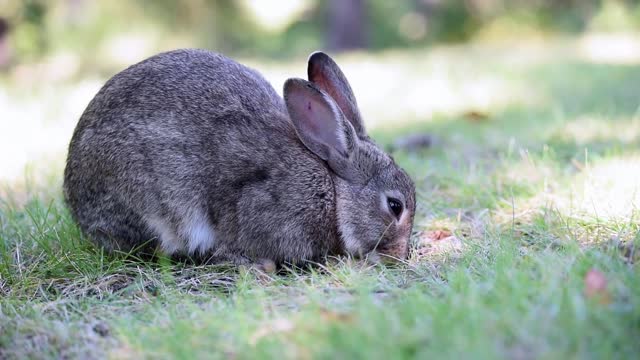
[
  {"x": 326, "y": 79},
  {"x": 315, "y": 117},
  {"x": 312, "y": 123}
]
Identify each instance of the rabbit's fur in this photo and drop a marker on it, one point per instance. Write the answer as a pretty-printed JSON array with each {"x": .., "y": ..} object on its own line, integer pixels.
[{"x": 194, "y": 154}]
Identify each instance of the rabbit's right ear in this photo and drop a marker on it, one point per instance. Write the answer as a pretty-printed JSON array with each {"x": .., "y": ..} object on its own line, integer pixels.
[
  {"x": 321, "y": 125},
  {"x": 326, "y": 74}
]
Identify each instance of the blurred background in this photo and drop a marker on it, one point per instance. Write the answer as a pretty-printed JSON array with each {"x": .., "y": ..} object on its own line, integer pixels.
[
  {"x": 409, "y": 61},
  {"x": 32, "y": 29}
]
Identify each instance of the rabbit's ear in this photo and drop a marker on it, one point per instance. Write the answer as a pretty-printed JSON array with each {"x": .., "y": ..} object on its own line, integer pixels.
[
  {"x": 326, "y": 74},
  {"x": 320, "y": 124}
]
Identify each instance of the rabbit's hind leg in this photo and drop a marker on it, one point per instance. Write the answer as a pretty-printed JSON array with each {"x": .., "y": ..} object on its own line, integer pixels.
[
  {"x": 124, "y": 232},
  {"x": 113, "y": 224}
]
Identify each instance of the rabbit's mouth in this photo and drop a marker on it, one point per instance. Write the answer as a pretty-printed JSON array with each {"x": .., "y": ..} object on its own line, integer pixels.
[
  {"x": 393, "y": 253},
  {"x": 388, "y": 254},
  {"x": 386, "y": 258},
  {"x": 394, "y": 246},
  {"x": 387, "y": 250}
]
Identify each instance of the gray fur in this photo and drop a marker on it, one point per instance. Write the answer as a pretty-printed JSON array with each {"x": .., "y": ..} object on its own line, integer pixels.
[{"x": 194, "y": 154}]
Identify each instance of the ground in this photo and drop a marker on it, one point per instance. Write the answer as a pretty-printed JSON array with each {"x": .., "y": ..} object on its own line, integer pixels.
[{"x": 526, "y": 239}]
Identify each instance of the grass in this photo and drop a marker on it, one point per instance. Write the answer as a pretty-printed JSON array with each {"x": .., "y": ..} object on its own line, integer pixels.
[{"x": 538, "y": 190}]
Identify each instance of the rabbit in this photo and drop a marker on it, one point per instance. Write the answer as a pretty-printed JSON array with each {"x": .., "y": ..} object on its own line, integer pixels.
[{"x": 190, "y": 153}]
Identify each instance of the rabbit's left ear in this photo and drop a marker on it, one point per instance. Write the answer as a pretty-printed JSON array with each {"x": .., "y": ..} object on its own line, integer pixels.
[
  {"x": 321, "y": 125},
  {"x": 325, "y": 73}
]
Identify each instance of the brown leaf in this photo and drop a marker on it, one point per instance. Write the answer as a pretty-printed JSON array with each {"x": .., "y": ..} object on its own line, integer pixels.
[
  {"x": 476, "y": 116},
  {"x": 437, "y": 235},
  {"x": 438, "y": 241},
  {"x": 595, "y": 286},
  {"x": 334, "y": 316}
]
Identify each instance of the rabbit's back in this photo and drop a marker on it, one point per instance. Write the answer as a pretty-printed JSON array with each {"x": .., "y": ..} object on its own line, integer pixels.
[
  {"x": 170, "y": 148},
  {"x": 193, "y": 82}
]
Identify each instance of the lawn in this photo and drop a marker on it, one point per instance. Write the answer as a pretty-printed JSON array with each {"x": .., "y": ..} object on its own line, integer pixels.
[{"x": 526, "y": 242}]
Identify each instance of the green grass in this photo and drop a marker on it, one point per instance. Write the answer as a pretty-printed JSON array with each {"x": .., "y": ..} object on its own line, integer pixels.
[{"x": 539, "y": 193}]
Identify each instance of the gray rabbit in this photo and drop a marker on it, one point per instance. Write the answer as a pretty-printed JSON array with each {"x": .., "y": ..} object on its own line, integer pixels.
[{"x": 193, "y": 154}]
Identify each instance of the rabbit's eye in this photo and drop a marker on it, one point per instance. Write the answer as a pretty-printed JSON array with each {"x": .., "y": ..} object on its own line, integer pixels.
[{"x": 396, "y": 206}]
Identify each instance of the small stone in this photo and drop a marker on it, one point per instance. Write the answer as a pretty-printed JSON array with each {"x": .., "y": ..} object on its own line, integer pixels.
[
  {"x": 595, "y": 286},
  {"x": 101, "y": 329}
]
